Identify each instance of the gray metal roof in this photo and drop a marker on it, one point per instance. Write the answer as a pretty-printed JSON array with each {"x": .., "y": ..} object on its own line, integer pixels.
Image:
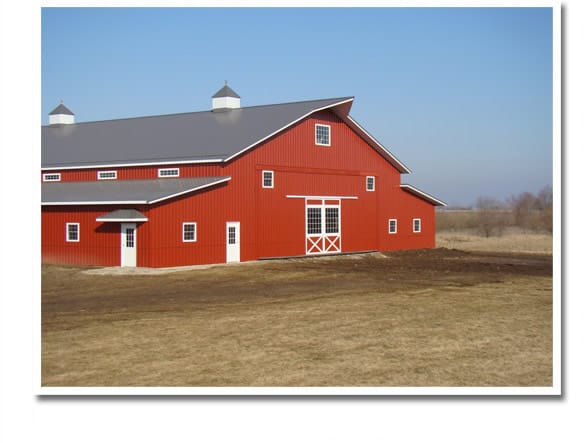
[
  {"x": 183, "y": 138},
  {"x": 122, "y": 215},
  {"x": 61, "y": 109},
  {"x": 195, "y": 136},
  {"x": 225, "y": 91},
  {"x": 123, "y": 191}
]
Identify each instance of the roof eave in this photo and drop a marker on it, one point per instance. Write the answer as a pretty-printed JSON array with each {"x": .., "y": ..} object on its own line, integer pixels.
[{"x": 423, "y": 195}]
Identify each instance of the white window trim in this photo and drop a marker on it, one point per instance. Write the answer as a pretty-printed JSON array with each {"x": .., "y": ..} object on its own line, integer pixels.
[
  {"x": 67, "y": 239},
  {"x": 100, "y": 173},
  {"x": 389, "y": 226},
  {"x": 271, "y": 180},
  {"x": 367, "y": 183},
  {"x": 419, "y": 220},
  {"x": 161, "y": 170},
  {"x": 329, "y": 135},
  {"x": 183, "y": 232},
  {"x": 57, "y": 176}
]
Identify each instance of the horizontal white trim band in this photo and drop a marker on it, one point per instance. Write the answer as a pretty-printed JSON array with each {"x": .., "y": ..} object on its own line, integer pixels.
[
  {"x": 122, "y": 220},
  {"x": 129, "y": 165},
  {"x": 323, "y": 197}
]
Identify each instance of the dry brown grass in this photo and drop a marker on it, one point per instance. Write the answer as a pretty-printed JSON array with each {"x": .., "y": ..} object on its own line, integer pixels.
[
  {"x": 426, "y": 318},
  {"x": 512, "y": 239}
]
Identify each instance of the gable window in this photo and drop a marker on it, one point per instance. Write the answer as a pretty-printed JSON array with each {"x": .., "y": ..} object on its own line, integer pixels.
[
  {"x": 56, "y": 177},
  {"x": 322, "y": 135},
  {"x": 168, "y": 172},
  {"x": 370, "y": 183},
  {"x": 189, "y": 232},
  {"x": 417, "y": 225},
  {"x": 107, "y": 175},
  {"x": 393, "y": 226},
  {"x": 267, "y": 179},
  {"x": 72, "y": 232}
]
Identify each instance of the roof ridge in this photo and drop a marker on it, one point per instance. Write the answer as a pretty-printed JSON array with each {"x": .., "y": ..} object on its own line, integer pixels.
[{"x": 208, "y": 111}]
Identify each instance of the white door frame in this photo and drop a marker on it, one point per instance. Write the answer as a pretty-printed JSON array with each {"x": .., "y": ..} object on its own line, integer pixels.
[
  {"x": 128, "y": 244},
  {"x": 232, "y": 242}
]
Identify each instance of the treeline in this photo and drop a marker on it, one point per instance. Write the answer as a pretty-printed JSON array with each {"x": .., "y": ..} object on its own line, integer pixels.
[{"x": 490, "y": 216}]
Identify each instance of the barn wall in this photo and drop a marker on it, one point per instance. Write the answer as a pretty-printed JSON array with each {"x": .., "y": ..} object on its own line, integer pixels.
[
  {"x": 271, "y": 224},
  {"x": 99, "y": 243}
]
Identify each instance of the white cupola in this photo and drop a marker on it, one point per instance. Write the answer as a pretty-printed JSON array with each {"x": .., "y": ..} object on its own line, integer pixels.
[
  {"x": 226, "y": 99},
  {"x": 61, "y": 115}
]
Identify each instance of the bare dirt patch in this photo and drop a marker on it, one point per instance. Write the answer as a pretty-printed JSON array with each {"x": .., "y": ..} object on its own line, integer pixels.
[{"x": 414, "y": 318}]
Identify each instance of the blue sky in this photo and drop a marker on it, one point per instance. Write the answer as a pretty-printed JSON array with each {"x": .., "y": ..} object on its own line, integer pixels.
[{"x": 462, "y": 96}]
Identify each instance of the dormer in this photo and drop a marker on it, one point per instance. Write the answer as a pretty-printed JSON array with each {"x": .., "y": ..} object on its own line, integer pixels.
[
  {"x": 61, "y": 115},
  {"x": 226, "y": 99}
]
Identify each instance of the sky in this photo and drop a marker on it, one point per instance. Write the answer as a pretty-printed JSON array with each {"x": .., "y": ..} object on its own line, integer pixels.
[{"x": 462, "y": 96}]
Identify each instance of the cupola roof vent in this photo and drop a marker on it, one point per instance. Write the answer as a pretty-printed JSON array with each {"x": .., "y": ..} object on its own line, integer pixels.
[
  {"x": 225, "y": 99},
  {"x": 61, "y": 115}
]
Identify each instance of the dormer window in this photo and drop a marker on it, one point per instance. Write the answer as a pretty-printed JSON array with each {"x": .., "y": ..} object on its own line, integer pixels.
[{"x": 322, "y": 135}]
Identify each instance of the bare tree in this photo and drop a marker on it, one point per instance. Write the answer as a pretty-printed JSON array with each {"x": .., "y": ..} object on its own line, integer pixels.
[
  {"x": 490, "y": 216},
  {"x": 522, "y": 207}
]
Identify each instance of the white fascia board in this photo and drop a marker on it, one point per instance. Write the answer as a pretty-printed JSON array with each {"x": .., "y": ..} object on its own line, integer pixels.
[
  {"x": 198, "y": 188},
  {"x": 122, "y": 165},
  {"x": 122, "y": 220},
  {"x": 285, "y": 127},
  {"x": 404, "y": 167},
  {"x": 423, "y": 195},
  {"x": 140, "y": 202},
  {"x": 323, "y": 197}
]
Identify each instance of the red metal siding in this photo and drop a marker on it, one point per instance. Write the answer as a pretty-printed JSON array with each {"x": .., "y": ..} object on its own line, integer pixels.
[
  {"x": 99, "y": 243},
  {"x": 272, "y": 224}
]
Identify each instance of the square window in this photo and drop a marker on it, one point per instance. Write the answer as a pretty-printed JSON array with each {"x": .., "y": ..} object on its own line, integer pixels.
[
  {"x": 189, "y": 232},
  {"x": 393, "y": 226},
  {"x": 417, "y": 225},
  {"x": 322, "y": 135},
  {"x": 370, "y": 183},
  {"x": 267, "y": 179},
  {"x": 72, "y": 232}
]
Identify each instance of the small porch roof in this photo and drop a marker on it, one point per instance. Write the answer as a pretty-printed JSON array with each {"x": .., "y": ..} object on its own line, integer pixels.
[{"x": 122, "y": 215}]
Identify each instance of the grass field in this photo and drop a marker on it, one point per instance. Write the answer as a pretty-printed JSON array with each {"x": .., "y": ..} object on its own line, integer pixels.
[{"x": 419, "y": 318}]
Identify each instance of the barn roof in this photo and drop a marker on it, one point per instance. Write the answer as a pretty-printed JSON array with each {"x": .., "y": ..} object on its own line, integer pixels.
[
  {"x": 184, "y": 138},
  {"x": 122, "y": 191}
]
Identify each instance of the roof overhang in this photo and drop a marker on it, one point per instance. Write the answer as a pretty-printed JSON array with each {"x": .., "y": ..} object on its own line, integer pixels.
[
  {"x": 123, "y": 192},
  {"x": 122, "y": 215},
  {"x": 423, "y": 195}
]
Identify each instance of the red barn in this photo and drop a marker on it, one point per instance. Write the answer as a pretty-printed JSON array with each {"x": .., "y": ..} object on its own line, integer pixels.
[{"x": 233, "y": 183}]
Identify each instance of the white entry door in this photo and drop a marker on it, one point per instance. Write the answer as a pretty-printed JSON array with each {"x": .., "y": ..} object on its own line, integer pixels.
[
  {"x": 128, "y": 246},
  {"x": 232, "y": 237}
]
